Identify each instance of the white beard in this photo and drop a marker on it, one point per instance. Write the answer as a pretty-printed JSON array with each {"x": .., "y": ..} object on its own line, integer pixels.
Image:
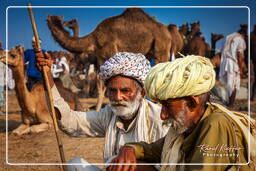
[
  {"x": 177, "y": 124},
  {"x": 128, "y": 109}
]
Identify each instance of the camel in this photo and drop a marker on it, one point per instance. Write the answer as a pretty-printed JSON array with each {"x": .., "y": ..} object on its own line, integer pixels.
[
  {"x": 132, "y": 31},
  {"x": 214, "y": 39},
  {"x": 195, "y": 29},
  {"x": 196, "y": 44},
  {"x": 184, "y": 30},
  {"x": 177, "y": 40},
  {"x": 34, "y": 109}
]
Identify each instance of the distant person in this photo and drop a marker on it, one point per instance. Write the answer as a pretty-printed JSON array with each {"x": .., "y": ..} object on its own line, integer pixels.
[
  {"x": 59, "y": 67},
  {"x": 33, "y": 74},
  {"x": 2, "y": 84},
  {"x": 231, "y": 66}
]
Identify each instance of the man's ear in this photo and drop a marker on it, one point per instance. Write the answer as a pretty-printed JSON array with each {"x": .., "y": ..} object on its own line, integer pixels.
[{"x": 143, "y": 93}]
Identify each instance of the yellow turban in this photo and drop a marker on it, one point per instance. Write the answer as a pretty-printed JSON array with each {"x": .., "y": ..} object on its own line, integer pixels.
[{"x": 188, "y": 76}]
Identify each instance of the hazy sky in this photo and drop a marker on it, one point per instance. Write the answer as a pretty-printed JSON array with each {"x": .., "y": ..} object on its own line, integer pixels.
[{"x": 224, "y": 20}]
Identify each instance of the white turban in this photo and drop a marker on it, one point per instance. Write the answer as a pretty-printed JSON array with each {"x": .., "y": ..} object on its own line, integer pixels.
[
  {"x": 188, "y": 76},
  {"x": 134, "y": 65}
]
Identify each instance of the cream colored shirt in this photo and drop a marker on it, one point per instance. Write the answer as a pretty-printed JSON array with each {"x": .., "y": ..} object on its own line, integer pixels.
[{"x": 147, "y": 125}]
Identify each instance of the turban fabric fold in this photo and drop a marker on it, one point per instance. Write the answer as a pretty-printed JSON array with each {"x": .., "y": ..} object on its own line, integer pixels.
[
  {"x": 134, "y": 65},
  {"x": 187, "y": 76}
]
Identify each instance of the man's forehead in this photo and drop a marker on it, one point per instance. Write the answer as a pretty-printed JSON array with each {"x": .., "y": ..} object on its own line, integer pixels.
[{"x": 120, "y": 81}]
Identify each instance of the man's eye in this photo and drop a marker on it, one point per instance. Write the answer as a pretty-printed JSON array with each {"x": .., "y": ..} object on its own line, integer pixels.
[
  {"x": 125, "y": 90},
  {"x": 112, "y": 90}
]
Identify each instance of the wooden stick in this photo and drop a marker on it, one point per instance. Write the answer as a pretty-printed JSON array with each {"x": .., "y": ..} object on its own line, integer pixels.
[{"x": 48, "y": 89}]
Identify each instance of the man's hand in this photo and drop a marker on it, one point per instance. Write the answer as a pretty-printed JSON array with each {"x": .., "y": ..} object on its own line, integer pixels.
[
  {"x": 43, "y": 60},
  {"x": 126, "y": 155}
]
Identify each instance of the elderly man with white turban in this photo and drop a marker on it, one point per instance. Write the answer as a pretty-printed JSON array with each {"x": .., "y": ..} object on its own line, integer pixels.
[
  {"x": 202, "y": 136},
  {"x": 129, "y": 117}
]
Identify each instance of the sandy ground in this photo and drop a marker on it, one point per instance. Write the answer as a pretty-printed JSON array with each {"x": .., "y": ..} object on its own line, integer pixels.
[{"x": 42, "y": 147}]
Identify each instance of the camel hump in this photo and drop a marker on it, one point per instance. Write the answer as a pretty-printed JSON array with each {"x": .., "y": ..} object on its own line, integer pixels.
[{"x": 137, "y": 14}]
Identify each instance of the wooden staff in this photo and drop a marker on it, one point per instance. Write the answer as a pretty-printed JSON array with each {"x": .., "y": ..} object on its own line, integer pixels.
[{"x": 48, "y": 89}]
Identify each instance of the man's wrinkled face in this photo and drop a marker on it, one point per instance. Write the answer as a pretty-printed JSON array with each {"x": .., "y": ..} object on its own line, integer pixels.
[
  {"x": 175, "y": 113},
  {"x": 124, "y": 96}
]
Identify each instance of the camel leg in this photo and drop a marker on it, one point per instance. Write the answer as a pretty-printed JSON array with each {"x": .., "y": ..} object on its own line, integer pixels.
[
  {"x": 39, "y": 128},
  {"x": 101, "y": 92},
  {"x": 22, "y": 129}
]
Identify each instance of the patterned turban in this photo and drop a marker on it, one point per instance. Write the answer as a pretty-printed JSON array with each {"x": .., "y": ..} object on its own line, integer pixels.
[
  {"x": 128, "y": 64},
  {"x": 188, "y": 76}
]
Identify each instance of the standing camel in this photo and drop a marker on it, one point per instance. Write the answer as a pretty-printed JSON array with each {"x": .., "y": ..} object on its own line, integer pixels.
[
  {"x": 34, "y": 109},
  {"x": 132, "y": 31}
]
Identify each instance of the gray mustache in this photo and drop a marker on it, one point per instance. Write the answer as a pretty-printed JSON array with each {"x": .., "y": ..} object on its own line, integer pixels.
[{"x": 123, "y": 103}]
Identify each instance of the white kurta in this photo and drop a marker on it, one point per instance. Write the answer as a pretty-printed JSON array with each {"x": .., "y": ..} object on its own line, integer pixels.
[
  {"x": 147, "y": 126},
  {"x": 229, "y": 74}
]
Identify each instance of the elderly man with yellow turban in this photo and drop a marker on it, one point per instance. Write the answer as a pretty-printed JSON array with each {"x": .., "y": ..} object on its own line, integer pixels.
[
  {"x": 129, "y": 117},
  {"x": 203, "y": 136}
]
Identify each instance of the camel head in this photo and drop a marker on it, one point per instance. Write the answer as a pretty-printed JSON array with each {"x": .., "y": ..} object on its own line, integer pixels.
[
  {"x": 184, "y": 29},
  {"x": 55, "y": 22},
  {"x": 71, "y": 24},
  {"x": 171, "y": 27},
  {"x": 15, "y": 57},
  {"x": 195, "y": 27},
  {"x": 216, "y": 37}
]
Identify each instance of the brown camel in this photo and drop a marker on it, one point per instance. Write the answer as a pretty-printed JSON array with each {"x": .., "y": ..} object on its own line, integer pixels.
[
  {"x": 34, "y": 109},
  {"x": 177, "y": 40},
  {"x": 195, "y": 29},
  {"x": 196, "y": 44},
  {"x": 253, "y": 59},
  {"x": 184, "y": 30},
  {"x": 214, "y": 39},
  {"x": 132, "y": 31}
]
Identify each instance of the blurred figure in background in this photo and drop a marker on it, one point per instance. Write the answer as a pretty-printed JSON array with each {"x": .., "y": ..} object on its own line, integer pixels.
[{"x": 232, "y": 61}]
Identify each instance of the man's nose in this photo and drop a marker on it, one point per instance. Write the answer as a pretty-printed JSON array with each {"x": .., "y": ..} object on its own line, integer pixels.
[
  {"x": 164, "y": 113},
  {"x": 118, "y": 96}
]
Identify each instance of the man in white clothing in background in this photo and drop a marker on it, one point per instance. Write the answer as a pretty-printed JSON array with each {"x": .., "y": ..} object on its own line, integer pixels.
[{"x": 231, "y": 67}]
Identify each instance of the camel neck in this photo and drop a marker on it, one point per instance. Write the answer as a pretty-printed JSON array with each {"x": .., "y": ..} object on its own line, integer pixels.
[{"x": 20, "y": 87}]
